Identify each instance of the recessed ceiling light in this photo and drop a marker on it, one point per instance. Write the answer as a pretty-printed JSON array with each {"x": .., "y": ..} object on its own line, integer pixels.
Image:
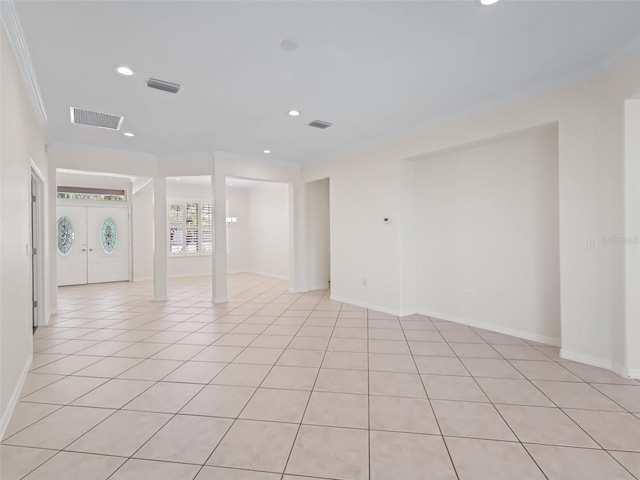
[
  {"x": 266, "y": 151},
  {"x": 122, "y": 70},
  {"x": 488, "y": 2},
  {"x": 294, "y": 113},
  {"x": 129, "y": 134},
  {"x": 177, "y": 179}
]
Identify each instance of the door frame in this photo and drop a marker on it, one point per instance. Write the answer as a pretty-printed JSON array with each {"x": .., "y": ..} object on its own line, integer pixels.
[{"x": 37, "y": 242}]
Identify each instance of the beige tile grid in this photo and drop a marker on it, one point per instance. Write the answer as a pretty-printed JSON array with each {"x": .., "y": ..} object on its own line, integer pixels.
[{"x": 276, "y": 414}]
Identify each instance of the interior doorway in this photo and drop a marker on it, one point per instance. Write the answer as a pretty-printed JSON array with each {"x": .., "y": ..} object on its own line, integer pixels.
[
  {"x": 37, "y": 248},
  {"x": 93, "y": 244},
  {"x": 318, "y": 235}
]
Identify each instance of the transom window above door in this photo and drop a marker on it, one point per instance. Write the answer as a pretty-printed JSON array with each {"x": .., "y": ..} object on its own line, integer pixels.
[{"x": 90, "y": 193}]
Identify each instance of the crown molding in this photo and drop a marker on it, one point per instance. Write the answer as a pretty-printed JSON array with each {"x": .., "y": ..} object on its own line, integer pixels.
[
  {"x": 621, "y": 55},
  {"x": 16, "y": 39}
]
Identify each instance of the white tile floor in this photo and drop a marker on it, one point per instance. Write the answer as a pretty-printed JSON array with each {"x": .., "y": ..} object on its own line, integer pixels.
[{"x": 280, "y": 386}]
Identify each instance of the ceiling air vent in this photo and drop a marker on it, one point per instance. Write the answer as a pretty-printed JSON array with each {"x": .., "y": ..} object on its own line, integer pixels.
[
  {"x": 96, "y": 119},
  {"x": 163, "y": 85},
  {"x": 320, "y": 124}
]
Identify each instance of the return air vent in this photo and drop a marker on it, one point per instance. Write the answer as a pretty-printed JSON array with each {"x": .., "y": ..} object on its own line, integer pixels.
[
  {"x": 163, "y": 85},
  {"x": 96, "y": 119},
  {"x": 320, "y": 124}
]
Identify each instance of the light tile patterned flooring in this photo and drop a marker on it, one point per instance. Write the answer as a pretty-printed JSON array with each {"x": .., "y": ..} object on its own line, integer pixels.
[{"x": 276, "y": 386}]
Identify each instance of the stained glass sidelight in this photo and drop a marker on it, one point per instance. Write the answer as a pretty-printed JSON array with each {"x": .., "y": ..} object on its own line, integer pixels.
[
  {"x": 65, "y": 235},
  {"x": 109, "y": 235}
]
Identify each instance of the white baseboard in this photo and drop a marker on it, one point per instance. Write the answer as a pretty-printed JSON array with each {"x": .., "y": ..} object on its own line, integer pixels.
[
  {"x": 588, "y": 359},
  {"x": 631, "y": 372},
  {"x": 370, "y": 306},
  {"x": 142, "y": 279},
  {"x": 220, "y": 300},
  {"x": 265, "y": 274},
  {"x": 15, "y": 396},
  {"x": 625, "y": 371},
  {"x": 492, "y": 327},
  {"x": 159, "y": 299},
  {"x": 317, "y": 287}
]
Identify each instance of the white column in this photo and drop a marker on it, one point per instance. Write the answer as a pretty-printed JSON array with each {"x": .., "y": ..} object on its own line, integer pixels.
[
  {"x": 219, "y": 257},
  {"x": 159, "y": 238}
]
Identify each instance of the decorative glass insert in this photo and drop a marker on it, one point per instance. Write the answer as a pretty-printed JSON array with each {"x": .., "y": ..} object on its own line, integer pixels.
[
  {"x": 109, "y": 235},
  {"x": 65, "y": 235}
]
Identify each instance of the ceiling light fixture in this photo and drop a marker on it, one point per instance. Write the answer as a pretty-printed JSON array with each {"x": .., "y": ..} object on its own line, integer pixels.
[
  {"x": 129, "y": 134},
  {"x": 266, "y": 151},
  {"x": 177, "y": 179},
  {"x": 122, "y": 70},
  {"x": 294, "y": 113},
  {"x": 488, "y": 2}
]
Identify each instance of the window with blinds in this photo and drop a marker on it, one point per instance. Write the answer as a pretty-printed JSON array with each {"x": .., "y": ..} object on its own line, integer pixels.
[{"x": 190, "y": 227}]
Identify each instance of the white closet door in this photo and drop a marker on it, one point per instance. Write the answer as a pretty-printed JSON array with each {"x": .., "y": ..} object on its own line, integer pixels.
[
  {"x": 71, "y": 238},
  {"x": 108, "y": 242}
]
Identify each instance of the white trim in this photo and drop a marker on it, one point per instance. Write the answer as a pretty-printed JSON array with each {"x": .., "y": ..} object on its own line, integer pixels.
[
  {"x": 370, "y": 306},
  {"x": 492, "y": 327},
  {"x": 143, "y": 279},
  {"x": 15, "y": 396},
  {"x": 220, "y": 300},
  {"x": 189, "y": 275},
  {"x": 317, "y": 287},
  {"x": 159, "y": 299},
  {"x": 622, "y": 54},
  {"x": 632, "y": 373},
  {"x": 625, "y": 371},
  {"x": 588, "y": 359},
  {"x": 135, "y": 189},
  {"x": 16, "y": 39},
  {"x": 265, "y": 274},
  {"x": 41, "y": 227}
]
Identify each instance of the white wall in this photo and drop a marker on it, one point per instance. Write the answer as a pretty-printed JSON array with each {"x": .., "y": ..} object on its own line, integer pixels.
[
  {"x": 269, "y": 229},
  {"x": 318, "y": 235},
  {"x": 238, "y": 258},
  {"x": 487, "y": 225},
  {"x": 72, "y": 179},
  {"x": 369, "y": 184},
  {"x": 22, "y": 142}
]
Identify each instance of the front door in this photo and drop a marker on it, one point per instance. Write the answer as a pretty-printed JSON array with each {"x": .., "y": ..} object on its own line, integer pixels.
[
  {"x": 72, "y": 245},
  {"x": 93, "y": 245},
  {"x": 108, "y": 241}
]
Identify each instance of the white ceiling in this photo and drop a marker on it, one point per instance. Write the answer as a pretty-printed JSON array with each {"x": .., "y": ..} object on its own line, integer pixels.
[{"x": 374, "y": 69}]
